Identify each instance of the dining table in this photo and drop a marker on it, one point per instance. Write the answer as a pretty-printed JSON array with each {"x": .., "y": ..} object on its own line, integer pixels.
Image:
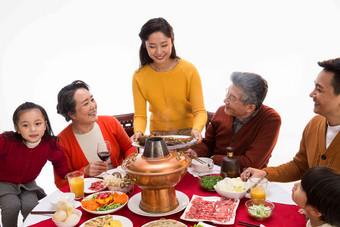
[{"x": 285, "y": 212}]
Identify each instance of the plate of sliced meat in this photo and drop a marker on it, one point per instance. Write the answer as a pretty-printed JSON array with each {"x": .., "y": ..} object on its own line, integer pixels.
[
  {"x": 171, "y": 141},
  {"x": 92, "y": 185},
  {"x": 218, "y": 210}
]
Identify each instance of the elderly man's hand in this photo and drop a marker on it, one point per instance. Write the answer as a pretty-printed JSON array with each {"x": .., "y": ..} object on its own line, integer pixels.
[
  {"x": 252, "y": 172},
  {"x": 190, "y": 153},
  {"x": 95, "y": 168}
]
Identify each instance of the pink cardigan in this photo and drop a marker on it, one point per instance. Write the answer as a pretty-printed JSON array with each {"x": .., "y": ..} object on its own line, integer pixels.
[{"x": 112, "y": 131}]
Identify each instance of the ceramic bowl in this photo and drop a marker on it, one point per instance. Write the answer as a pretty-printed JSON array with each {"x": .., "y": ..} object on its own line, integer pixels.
[
  {"x": 201, "y": 167},
  {"x": 260, "y": 212},
  {"x": 70, "y": 223},
  {"x": 208, "y": 182},
  {"x": 230, "y": 194},
  {"x": 119, "y": 189}
]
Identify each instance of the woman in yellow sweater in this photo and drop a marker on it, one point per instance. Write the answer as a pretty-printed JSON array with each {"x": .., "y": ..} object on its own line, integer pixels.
[{"x": 171, "y": 86}]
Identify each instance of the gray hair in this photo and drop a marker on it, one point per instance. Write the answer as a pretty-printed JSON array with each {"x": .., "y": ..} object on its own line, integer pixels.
[{"x": 253, "y": 86}]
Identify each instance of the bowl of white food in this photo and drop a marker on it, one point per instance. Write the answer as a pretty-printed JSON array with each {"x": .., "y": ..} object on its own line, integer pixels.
[
  {"x": 70, "y": 220},
  {"x": 118, "y": 182},
  {"x": 233, "y": 188}
]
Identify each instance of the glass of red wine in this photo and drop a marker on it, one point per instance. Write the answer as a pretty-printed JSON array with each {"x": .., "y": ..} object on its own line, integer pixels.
[{"x": 104, "y": 150}]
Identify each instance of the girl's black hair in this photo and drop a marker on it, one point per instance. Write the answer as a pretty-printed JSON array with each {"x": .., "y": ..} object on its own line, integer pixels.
[
  {"x": 15, "y": 136},
  {"x": 322, "y": 187},
  {"x": 154, "y": 25}
]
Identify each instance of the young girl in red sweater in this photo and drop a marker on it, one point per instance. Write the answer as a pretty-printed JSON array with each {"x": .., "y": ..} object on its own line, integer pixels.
[{"x": 23, "y": 154}]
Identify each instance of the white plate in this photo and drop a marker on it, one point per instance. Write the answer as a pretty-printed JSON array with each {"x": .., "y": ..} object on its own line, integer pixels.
[
  {"x": 177, "y": 222},
  {"x": 134, "y": 201},
  {"x": 102, "y": 212},
  {"x": 136, "y": 144},
  {"x": 87, "y": 184},
  {"x": 69, "y": 196},
  {"x": 125, "y": 221},
  {"x": 210, "y": 198}
]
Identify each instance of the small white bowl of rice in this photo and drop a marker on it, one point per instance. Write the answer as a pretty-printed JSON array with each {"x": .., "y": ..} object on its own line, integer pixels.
[{"x": 233, "y": 188}]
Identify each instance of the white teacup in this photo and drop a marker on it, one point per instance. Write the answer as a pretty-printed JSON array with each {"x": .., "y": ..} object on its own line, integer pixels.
[{"x": 202, "y": 167}]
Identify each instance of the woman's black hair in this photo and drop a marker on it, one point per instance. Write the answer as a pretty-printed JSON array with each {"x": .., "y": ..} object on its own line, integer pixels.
[
  {"x": 333, "y": 65},
  {"x": 66, "y": 103},
  {"x": 15, "y": 136},
  {"x": 154, "y": 25},
  {"x": 322, "y": 187}
]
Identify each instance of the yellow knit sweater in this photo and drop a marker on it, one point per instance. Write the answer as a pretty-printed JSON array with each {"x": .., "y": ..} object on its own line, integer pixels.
[{"x": 175, "y": 98}]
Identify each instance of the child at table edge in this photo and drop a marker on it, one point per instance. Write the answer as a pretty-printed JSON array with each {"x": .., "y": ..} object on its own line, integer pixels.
[
  {"x": 23, "y": 154},
  {"x": 318, "y": 194}
]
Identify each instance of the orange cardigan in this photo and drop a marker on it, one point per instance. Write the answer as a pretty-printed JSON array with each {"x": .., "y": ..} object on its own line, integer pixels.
[{"x": 112, "y": 131}]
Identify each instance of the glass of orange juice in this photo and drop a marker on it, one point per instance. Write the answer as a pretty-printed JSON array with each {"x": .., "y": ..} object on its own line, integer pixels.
[
  {"x": 76, "y": 183},
  {"x": 258, "y": 189}
]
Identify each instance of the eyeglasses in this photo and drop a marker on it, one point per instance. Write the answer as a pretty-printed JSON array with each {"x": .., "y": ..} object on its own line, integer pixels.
[{"x": 231, "y": 98}]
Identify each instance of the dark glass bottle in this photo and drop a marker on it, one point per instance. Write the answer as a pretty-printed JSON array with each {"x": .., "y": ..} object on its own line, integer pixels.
[{"x": 230, "y": 166}]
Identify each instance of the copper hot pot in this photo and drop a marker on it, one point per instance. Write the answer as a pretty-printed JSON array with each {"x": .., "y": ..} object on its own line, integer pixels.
[{"x": 156, "y": 172}]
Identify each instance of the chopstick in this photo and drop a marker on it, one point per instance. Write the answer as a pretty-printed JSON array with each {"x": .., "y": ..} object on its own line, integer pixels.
[
  {"x": 247, "y": 224},
  {"x": 43, "y": 212},
  {"x": 199, "y": 160}
]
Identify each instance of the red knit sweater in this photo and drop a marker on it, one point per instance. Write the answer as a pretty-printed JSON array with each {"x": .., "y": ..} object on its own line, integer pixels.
[
  {"x": 253, "y": 143},
  {"x": 21, "y": 164}
]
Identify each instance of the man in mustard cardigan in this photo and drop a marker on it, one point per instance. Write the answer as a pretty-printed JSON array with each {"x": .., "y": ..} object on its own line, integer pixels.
[{"x": 320, "y": 144}]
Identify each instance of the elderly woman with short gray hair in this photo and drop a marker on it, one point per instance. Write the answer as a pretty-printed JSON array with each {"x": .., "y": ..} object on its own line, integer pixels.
[
  {"x": 243, "y": 123},
  {"x": 80, "y": 138}
]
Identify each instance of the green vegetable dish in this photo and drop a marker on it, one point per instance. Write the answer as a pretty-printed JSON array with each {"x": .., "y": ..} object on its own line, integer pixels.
[
  {"x": 110, "y": 207},
  {"x": 260, "y": 211},
  {"x": 208, "y": 182}
]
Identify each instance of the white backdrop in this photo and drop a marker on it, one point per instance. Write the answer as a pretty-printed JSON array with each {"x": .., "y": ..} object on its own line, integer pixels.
[{"x": 45, "y": 45}]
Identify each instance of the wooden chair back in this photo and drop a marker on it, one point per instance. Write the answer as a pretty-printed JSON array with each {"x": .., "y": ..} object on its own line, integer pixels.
[
  {"x": 210, "y": 116},
  {"x": 126, "y": 120}
]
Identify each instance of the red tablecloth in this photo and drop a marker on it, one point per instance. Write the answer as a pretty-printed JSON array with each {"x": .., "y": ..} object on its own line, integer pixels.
[{"x": 283, "y": 215}]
